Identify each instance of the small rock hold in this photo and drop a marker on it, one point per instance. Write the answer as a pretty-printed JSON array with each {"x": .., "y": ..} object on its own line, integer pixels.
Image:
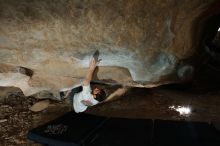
[
  {"x": 3, "y": 120},
  {"x": 39, "y": 106},
  {"x": 5, "y": 106},
  {"x": 18, "y": 141},
  {"x": 185, "y": 72}
]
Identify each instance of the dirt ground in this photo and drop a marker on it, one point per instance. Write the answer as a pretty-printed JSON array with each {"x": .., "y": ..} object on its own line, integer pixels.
[{"x": 16, "y": 118}]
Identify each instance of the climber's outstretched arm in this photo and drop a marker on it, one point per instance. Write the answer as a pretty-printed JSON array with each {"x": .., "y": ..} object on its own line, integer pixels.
[
  {"x": 92, "y": 67},
  {"x": 117, "y": 94}
]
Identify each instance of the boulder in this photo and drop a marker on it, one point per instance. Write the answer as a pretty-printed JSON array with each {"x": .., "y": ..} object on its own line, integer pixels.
[{"x": 47, "y": 45}]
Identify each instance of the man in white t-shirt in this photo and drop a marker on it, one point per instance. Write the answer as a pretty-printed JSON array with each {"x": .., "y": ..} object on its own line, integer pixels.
[{"x": 87, "y": 97}]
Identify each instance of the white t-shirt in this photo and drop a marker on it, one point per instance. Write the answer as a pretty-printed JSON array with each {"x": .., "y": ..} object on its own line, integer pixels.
[{"x": 85, "y": 94}]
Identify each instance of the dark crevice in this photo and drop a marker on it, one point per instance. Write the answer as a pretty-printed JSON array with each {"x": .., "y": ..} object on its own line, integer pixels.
[
  {"x": 206, "y": 60},
  {"x": 26, "y": 71}
]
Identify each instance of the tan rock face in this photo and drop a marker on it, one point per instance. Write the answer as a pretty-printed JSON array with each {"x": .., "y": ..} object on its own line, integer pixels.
[{"x": 141, "y": 42}]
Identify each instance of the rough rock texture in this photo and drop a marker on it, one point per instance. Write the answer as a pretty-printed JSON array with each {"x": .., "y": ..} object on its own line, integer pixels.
[{"x": 46, "y": 45}]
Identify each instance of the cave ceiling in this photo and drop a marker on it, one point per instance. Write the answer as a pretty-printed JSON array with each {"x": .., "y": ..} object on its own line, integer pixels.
[{"x": 46, "y": 45}]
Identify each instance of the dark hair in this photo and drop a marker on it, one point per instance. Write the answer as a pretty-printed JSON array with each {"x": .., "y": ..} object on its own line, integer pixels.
[{"x": 101, "y": 97}]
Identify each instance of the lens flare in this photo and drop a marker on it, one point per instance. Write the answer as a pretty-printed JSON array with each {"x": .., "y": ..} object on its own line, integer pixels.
[{"x": 183, "y": 110}]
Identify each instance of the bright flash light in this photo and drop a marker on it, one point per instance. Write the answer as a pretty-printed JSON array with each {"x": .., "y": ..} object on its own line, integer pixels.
[
  {"x": 219, "y": 29},
  {"x": 183, "y": 111}
]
